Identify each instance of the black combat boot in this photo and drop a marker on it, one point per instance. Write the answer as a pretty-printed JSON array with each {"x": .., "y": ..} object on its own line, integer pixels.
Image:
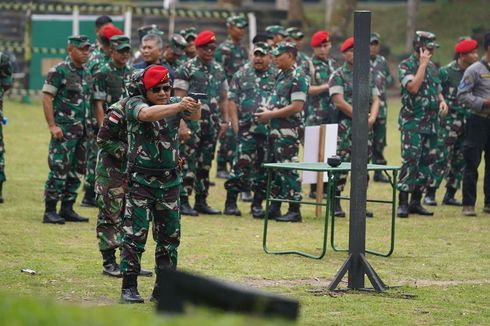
[
  {"x": 50, "y": 215},
  {"x": 274, "y": 210},
  {"x": 230, "y": 204},
  {"x": 155, "y": 293},
  {"x": 415, "y": 207},
  {"x": 246, "y": 196},
  {"x": 145, "y": 272},
  {"x": 338, "y": 211},
  {"x": 202, "y": 206},
  {"x": 449, "y": 198},
  {"x": 402, "y": 210},
  {"x": 185, "y": 207},
  {"x": 256, "y": 208},
  {"x": 89, "y": 198},
  {"x": 129, "y": 292},
  {"x": 1, "y": 196},
  {"x": 430, "y": 196},
  {"x": 69, "y": 214},
  {"x": 379, "y": 176},
  {"x": 110, "y": 267},
  {"x": 293, "y": 214}
]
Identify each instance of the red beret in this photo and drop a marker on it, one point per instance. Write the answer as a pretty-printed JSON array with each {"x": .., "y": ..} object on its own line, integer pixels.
[
  {"x": 204, "y": 38},
  {"x": 155, "y": 75},
  {"x": 466, "y": 46},
  {"x": 318, "y": 38},
  {"x": 111, "y": 30},
  {"x": 349, "y": 43}
]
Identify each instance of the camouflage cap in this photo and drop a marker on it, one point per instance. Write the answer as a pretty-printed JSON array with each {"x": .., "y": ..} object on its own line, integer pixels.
[
  {"x": 178, "y": 44},
  {"x": 295, "y": 33},
  {"x": 375, "y": 37},
  {"x": 190, "y": 32},
  {"x": 120, "y": 42},
  {"x": 149, "y": 29},
  {"x": 262, "y": 47},
  {"x": 238, "y": 21},
  {"x": 79, "y": 41},
  {"x": 276, "y": 29},
  {"x": 427, "y": 39},
  {"x": 283, "y": 47}
]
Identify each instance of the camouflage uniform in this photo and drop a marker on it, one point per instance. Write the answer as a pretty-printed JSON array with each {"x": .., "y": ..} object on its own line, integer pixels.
[
  {"x": 154, "y": 182},
  {"x": 5, "y": 81},
  {"x": 72, "y": 91},
  {"x": 110, "y": 84},
  {"x": 382, "y": 79},
  {"x": 341, "y": 82},
  {"x": 450, "y": 161},
  {"x": 250, "y": 89},
  {"x": 320, "y": 107},
  {"x": 417, "y": 123},
  {"x": 195, "y": 76},
  {"x": 232, "y": 57}
]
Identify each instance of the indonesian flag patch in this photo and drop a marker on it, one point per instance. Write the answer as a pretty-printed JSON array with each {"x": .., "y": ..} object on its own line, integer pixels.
[{"x": 115, "y": 117}]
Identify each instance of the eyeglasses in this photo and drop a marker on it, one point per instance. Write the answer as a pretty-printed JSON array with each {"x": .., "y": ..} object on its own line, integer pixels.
[
  {"x": 158, "y": 89},
  {"x": 209, "y": 47}
]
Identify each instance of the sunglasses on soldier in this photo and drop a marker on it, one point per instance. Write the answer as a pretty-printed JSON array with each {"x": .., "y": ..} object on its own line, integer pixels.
[{"x": 158, "y": 89}]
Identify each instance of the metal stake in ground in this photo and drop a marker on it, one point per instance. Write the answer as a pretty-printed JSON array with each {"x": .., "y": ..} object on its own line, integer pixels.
[{"x": 357, "y": 264}]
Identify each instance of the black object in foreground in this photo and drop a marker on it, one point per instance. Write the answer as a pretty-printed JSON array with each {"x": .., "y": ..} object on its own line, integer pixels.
[
  {"x": 198, "y": 96},
  {"x": 334, "y": 161},
  {"x": 176, "y": 288}
]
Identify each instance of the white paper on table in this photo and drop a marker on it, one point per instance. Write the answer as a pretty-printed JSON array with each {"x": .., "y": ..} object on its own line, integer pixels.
[{"x": 311, "y": 149}]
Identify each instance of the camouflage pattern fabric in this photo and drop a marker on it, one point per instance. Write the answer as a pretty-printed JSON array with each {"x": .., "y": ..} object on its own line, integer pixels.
[
  {"x": 291, "y": 85},
  {"x": 72, "y": 91},
  {"x": 320, "y": 107},
  {"x": 250, "y": 89},
  {"x": 154, "y": 182},
  {"x": 450, "y": 161},
  {"x": 5, "y": 80},
  {"x": 304, "y": 63},
  {"x": 195, "y": 76},
  {"x": 110, "y": 84},
  {"x": 189, "y": 150}
]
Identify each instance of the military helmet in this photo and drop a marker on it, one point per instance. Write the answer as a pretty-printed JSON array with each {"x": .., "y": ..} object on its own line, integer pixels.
[
  {"x": 427, "y": 39},
  {"x": 178, "y": 44},
  {"x": 136, "y": 86}
]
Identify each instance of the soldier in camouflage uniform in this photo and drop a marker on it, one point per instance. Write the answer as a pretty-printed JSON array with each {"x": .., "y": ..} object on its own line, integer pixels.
[
  {"x": 303, "y": 61},
  {"x": 96, "y": 61},
  {"x": 5, "y": 85},
  {"x": 250, "y": 88},
  {"x": 320, "y": 109},
  {"x": 153, "y": 177},
  {"x": 174, "y": 53},
  {"x": 67, "y": 105},
  {"x": 450, "y": 161},
  {"x": 341, "y": 91},
  {"x": 383, "y": 80},
  {"x": 277, "y": 32},
  {"x": 202, "y": 74},
  {"x": 285, "y": 118},
  {"x": 422, "y": 101},
  {"x": 232, "y": 55},
  {"x": 189, "y": 34}
]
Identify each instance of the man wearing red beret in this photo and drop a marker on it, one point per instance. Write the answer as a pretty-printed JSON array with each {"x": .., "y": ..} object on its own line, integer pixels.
[
  {"x": 202, "y": 74},
  {"x": 154, "y": 180},
  {"x": 450, "y": 161}
]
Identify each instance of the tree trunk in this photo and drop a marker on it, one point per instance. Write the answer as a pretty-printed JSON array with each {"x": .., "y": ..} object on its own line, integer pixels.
[
  {"x": 338, "y": 14},
  {"x": 412, "y": 12},
  {"x": 296, "y": 15}
]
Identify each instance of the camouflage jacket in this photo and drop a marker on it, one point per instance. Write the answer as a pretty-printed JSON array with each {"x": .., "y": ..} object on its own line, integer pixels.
[
  {"x": 251, "y": 89},
  {"x": 152, "y": 146},
  {"x": 231, "y": 56},
  {"x": 72, "y": 90},
  {"x": 383, "y": 80},
  {"x": 112, "y": 141},
  {"x": 304, "y": 63},
  {"x": 110, "y": 83},
  {"x": 5, "y": 75},
  {"x": 323, "y": 69},
  {"x": 419, "y": 112},
  {"x": 291, "y": 85},
  {"x": 195, "y": 76},
  {"x": 451, "y": 76},
  {"x": 97, "y": 59}
]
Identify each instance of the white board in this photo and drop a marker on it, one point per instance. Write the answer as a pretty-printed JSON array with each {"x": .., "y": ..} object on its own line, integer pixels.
[{"x": 310, "y": 153}]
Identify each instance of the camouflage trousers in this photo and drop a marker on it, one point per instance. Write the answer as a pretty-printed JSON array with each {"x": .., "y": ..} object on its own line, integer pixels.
[
  {"x": 450, "y": 161},
  {"x": 66, "y": 161},
  {"x": 161, "y": 207},
  {"x": 206, "y": 147},
  {"x": 226, "y": 150},
  {"x": 418, "y": 153},
  {"x": 2, "y": 150},
  {"x": 284, "y": 147},
  {"x": 379, "y": 141},
  {"x": 91, "y": 162},
  {"x": 247, "y": 172},
  {"x": 188, "y": 151},
  {"x": 111, "y": 202}
]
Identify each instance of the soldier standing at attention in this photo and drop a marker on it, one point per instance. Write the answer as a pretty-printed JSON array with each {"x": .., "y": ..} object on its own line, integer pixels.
[
  {"x": 153, "y": 177},
  {"x": 383, "y": 79},
  {"x": 320, "y": 109},
  {"x": 341, "y": 92},
  {"x": 285, "y": 118},
  {"x": 422, "y": 101},
  {"x": 5, "y": 85},
  {"x": 474, "y": 93},
  {"x": 450, "y": 161},
  {"x": 232, "y": 55},
  {"x": 202, "y": 74},
  {"x": 67, "y": 95},
  {"x": 250, "y": 88}
]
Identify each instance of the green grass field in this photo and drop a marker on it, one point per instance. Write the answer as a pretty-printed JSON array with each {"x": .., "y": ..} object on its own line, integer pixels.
[{"x": 440, "y": 266}]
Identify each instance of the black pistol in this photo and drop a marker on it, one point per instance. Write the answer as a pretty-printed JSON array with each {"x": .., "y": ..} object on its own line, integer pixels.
[{"x": 198, "y": 96}]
